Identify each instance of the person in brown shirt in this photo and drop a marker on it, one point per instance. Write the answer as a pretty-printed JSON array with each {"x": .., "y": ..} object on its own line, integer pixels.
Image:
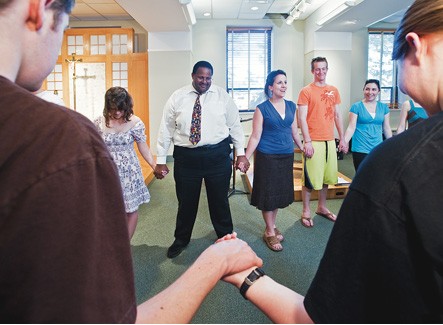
[{"x": 64, "y": 243}]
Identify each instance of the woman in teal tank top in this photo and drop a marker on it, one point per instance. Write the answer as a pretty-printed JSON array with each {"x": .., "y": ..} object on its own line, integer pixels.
[{"x": 411, "y": 113}]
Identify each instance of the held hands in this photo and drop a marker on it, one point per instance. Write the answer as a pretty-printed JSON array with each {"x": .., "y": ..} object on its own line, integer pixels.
[
  {"x": 343, "y": 146},
  {"x": 160, "y": 171},
  {"x": 227, "y": 237},
  {"x": 242, "y": 164},
  {"x": 308, "y": 149},
  {"x": 239, "y": 258}
]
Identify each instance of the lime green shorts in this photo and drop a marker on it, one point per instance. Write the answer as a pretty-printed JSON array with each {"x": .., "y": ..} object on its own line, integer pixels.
[{"x": 322, "y": 167}]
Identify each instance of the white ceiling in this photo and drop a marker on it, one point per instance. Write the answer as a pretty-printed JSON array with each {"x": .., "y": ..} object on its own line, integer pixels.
[{"x": 171, "y": 15}]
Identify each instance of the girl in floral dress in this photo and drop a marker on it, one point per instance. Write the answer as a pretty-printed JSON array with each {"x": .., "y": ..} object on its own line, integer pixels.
[{"x": 120, "y": 128}]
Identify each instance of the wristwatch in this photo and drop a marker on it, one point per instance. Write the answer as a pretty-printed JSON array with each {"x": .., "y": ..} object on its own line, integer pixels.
[{"x": 250, "y": 280}]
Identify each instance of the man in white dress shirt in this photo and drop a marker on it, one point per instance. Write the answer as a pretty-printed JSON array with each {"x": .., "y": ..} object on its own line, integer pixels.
[{"x": 207, "y": 158}]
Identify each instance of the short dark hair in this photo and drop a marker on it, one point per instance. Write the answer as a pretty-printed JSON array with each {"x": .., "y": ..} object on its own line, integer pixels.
[
  {"x": 318, "y": 59},
  {"x": 270, "y": 80},
  {"x": 118, "y": 98},
  {"x": 202, "y": 64},
  {"x": 372, "y": 81}
]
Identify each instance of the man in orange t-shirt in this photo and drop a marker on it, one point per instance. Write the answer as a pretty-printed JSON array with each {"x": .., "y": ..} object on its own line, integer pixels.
[{"x": 318, "y": 112}]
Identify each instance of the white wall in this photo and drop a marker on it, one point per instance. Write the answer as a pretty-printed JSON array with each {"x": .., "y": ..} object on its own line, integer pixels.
[
  {"x": 168, "y": 71},
  {"x": 209, "y": 43},
  {"x": 172, "y": 55}
]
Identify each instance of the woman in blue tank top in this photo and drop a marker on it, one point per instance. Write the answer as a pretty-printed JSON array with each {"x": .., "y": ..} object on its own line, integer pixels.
[
  {"x": 274, "y": 131},
  {"x": 411, "y": 113}
]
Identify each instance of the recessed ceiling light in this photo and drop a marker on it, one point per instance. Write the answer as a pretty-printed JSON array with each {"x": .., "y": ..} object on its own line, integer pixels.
[
  {"x": 351, "y": 22},
  {"x": 254, "y": 8},
  {"x": 207, "y": 14}
]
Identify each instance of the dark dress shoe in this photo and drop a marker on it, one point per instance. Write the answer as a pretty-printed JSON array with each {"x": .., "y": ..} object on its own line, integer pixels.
[{"x": 175, "y": 249}]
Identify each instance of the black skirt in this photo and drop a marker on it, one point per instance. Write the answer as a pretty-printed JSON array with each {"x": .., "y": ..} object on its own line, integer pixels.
[{"x": 273, "y": 183}]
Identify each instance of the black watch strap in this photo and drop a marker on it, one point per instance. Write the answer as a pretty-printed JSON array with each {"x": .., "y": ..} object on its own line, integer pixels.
[{"x": 250, "y": 279}]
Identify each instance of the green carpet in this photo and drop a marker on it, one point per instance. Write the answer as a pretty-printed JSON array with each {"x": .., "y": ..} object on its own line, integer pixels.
[{"x": 294, "y": 267}]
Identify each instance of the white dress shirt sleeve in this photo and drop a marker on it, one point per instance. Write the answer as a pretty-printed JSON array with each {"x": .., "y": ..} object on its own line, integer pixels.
[
  {"x": 235, "y": 127},
  {"x": 166, "y": 131}
]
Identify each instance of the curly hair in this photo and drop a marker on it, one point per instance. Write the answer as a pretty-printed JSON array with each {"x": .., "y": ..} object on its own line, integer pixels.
[{"x": 118, "y": 99}]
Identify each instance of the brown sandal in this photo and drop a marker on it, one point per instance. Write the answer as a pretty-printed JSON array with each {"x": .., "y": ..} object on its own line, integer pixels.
[
  {"x": 271, "y": 241},
  {"x": 309, "y": 220},
  {"x": 278, "y": 234}
]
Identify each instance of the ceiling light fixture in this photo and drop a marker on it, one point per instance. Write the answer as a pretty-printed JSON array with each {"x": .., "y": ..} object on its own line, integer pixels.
[
  {"x": 301, "y": 7},
  {"x": 345, "y": 6},
  {"x": 296, "y": 12},
  {"x": 293, "y": 16},
  {"x": 188, "y": 9},
  {"x": 191, "y": 13},
  {"x": 254, "y": 8}
]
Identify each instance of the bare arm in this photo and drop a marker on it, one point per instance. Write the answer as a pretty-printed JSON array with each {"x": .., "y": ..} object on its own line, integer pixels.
[
  {"x": 257, "y": 124},
  {"x": 257, "y": 129},
  {"x": 339, "y": 125},
  {"x": 279, "y": 303},
  {"x": 387, "y": 131},
  {"x": 173, "y": 305},
  {"x": 302, "y": 115},
  {"x": 351, "y": 127},
  {"x": 296, "y": 135},
  {"x": 146, "y": 153},
  {"x": 403, "y": 117}
]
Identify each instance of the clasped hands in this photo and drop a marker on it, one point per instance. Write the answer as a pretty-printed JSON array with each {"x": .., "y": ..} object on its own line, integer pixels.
[
  {"x": 343, "y": 146},
  {"x": 308, "y": 149},
  {"x": 242, "y": 164},
  {"x": 160, "y": 171},
  {"x": 236, "y": 257}
]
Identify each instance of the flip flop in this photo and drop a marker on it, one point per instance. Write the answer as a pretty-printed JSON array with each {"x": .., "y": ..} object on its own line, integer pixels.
[
  {"x": 328, "y": 215},
  {"x": 271, "y": 241},
  {"x": 309, "y": 220}
]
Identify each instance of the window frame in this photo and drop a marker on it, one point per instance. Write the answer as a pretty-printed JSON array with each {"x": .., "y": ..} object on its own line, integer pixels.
[
  {"x": 230, "y": 48},
  {"x": 394, "y": 91}
]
